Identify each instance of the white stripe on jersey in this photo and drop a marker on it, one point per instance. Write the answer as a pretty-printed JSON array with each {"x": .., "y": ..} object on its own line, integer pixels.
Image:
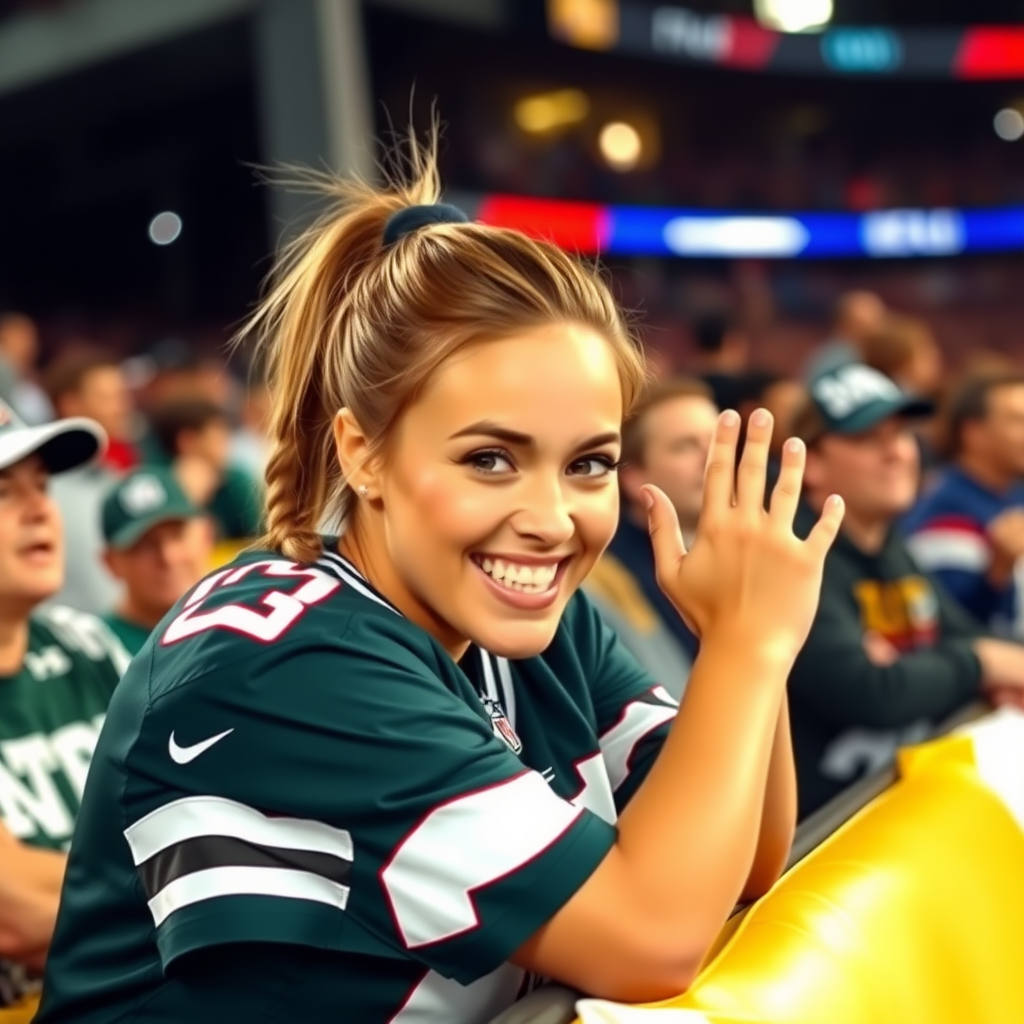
[
  {"x": 341, "y": 567},
  {"x": 950, "y": 549},
  {"x": 596, "y": 794},
  {"x": 508, "y": 692},
  {"x": 636, "y": 721},
  {"x": 490, "y": 686},
  {"x": 196, "y": 816},
  {"x": 439, "y": 1000},
  {"x": 245, "y": 881},
  {"x": 435, "y": 870}
]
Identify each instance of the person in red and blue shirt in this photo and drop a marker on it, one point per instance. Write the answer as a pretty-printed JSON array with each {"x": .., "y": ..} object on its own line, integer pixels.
[{"x": 969, "y": 529}]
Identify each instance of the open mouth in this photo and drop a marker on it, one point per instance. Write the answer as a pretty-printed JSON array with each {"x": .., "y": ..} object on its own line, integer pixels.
[
  {"x": 520, "y": 578},
  {"x": 41, "y": 549}
]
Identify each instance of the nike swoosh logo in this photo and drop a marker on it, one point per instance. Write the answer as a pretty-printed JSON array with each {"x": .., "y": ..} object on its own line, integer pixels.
[{"x": 182, "y": 755}]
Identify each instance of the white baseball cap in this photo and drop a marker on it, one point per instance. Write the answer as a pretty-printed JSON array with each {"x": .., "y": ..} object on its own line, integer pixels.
[{"x": 62, "y": 445}]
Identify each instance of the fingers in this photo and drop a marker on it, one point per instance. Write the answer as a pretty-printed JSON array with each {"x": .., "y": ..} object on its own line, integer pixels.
[
  {"x": 719, "y": 477},
  {"x": 827, "y": 527},
  {"x": 786, "y": 495},
  {"x": 666, "y": 537},
  {"x": 750, "y": 481}
]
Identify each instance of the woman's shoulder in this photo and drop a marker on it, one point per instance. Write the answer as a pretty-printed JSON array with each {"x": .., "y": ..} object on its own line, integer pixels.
[{"x": 264, "y": 614}]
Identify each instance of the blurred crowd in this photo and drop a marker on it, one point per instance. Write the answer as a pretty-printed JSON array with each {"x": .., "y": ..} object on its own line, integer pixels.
[
  {"x": 185, "y": 457},
  {"x": 922, "y": 612},
  {"x": 922, "y": 603}
]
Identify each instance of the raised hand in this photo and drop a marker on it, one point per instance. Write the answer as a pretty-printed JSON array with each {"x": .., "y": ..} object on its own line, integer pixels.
[{"x": 749, "y": 579}]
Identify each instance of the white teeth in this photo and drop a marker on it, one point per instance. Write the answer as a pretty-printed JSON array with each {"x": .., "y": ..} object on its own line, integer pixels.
[{"x": 529, "y": 579}]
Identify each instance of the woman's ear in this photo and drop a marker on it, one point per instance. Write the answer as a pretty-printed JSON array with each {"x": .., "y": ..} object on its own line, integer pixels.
[{"x": 353, "y": 450}]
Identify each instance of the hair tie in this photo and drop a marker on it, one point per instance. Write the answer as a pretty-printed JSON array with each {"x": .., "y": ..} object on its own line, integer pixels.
[{"x": 412, "y": 218}]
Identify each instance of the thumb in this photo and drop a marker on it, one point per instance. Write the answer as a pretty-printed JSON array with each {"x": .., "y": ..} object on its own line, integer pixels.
[{"x": 663, "y": 524}]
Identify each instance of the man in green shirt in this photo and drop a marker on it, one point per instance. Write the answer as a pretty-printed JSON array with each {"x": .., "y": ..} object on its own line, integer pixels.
[
  {"x": 194, "y": 434},
  {"x": 58, "y": 668},
  {"x": 158, "y": 545}
]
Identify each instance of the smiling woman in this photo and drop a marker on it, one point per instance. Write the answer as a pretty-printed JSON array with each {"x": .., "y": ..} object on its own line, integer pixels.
[{"x": 421, "y": 771}]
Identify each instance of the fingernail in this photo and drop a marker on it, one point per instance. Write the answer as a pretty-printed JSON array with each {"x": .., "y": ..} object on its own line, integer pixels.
[
  {"x": 794, "y": 446},
  {"x": 648, "y": 499},
  {"x": 730, "y": 418},
  {"x": 759, "y": 418},
  {"x": 836, "y": 502}
]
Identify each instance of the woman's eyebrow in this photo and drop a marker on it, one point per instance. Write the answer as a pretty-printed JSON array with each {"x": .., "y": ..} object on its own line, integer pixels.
[{"x": 488, "y": 428}]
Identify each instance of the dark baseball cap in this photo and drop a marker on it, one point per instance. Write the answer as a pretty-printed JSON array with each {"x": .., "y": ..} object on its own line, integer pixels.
[
  {"x": 62, "y": 445},
  {"x": 850, "y": 398},
  {"x": 143, "y": 499}
]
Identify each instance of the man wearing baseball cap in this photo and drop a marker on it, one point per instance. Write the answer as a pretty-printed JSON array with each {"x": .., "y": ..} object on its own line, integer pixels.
[
  {"x": 58, "y": 668},
  {"x": 890, "y": 654},
  {"x": 158, "y": 544}
]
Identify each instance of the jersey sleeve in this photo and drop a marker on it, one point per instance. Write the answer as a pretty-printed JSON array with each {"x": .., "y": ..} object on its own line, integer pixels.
[
  {"x": 634, "y": 711},
  {"x": 336, "y": 793}
]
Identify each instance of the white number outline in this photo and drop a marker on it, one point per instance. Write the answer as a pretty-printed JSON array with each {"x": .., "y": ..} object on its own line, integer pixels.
[{"x": 285, "y": 608}]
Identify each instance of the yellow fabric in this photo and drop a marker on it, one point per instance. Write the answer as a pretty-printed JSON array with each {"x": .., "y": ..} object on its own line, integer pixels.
[
  {"x": 20, "y": 1014},
  {"x": 610, "y": 581},
  {"x": 912, "y": 912},
  {"x": 225, "y": 551}
]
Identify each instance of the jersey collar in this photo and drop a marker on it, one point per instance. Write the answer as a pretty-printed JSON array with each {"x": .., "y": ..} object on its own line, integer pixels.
[{"x": 341, "y": 567}]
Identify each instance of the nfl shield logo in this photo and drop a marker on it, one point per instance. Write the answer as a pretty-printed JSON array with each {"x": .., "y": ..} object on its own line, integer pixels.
[{"x": 501, "y": 725}]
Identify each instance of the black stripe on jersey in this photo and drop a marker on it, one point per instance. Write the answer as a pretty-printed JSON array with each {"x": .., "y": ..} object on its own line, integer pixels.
[{"x": 202, "y": 852}]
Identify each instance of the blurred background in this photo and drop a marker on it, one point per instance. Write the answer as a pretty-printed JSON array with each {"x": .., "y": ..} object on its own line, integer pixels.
[
  {"x": 757, "y": 176},
  {"x": 132, "y": 217}
]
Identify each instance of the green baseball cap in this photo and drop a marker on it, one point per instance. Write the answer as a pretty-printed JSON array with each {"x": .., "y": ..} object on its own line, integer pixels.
[
  {"x": 851, "y": 398},
  {"x": 143, "y": 499}
]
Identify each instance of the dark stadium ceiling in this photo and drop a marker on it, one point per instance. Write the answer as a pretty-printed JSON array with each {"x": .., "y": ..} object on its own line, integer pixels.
[{"x": 897, "y": 12}]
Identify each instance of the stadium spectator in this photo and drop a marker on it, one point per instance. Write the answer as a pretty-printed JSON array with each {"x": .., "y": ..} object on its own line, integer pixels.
[
  {"x": 890, "y": 654},
  {"x": 665, "y": 443},
  {"x": 194, "y": 435},
  {"x": 92, "y": 384},
  {"x": 19, "y": 350},
  {"x": 723, "y": 350},
  {"x": 58, "y": 669},
  {"x": 158, "y": 545},
  {"x": 249, "y": 445},
  {"x": 857, "y": 314},
  {"x": 905, "y": 350},
  {"x": 969, "y": 529}
]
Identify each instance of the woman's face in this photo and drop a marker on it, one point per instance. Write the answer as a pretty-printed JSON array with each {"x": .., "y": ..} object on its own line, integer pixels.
[{"x": 499, "y": 491}]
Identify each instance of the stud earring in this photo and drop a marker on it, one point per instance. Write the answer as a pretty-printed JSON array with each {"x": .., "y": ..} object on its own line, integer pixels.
[{"x": 363, "y": 490}]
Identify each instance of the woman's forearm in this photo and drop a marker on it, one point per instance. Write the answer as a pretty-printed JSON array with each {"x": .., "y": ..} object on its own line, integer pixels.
[
  {"x": 778, "y": 822},
  {"x": 30, "y": 884}
]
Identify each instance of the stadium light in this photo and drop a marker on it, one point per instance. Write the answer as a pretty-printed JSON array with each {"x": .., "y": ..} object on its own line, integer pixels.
[
  {"x": 550, "y": 110},
  {"x": 794, "y": 15},
  {"x": 621, "y": 146},
  {"x": 1008, "y": 124},
  {"x": 165, "y": 228}
]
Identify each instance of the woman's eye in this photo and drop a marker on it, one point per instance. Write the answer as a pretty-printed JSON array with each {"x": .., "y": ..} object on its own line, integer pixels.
[
  {"x": 490, "y": 462},
  {"x": 593, "y": 466}
]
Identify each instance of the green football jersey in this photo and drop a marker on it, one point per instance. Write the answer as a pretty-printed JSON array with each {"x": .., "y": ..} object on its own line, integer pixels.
[
  {"x": 50, "y": 717},
  {"x": 290, "y": 761}
]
